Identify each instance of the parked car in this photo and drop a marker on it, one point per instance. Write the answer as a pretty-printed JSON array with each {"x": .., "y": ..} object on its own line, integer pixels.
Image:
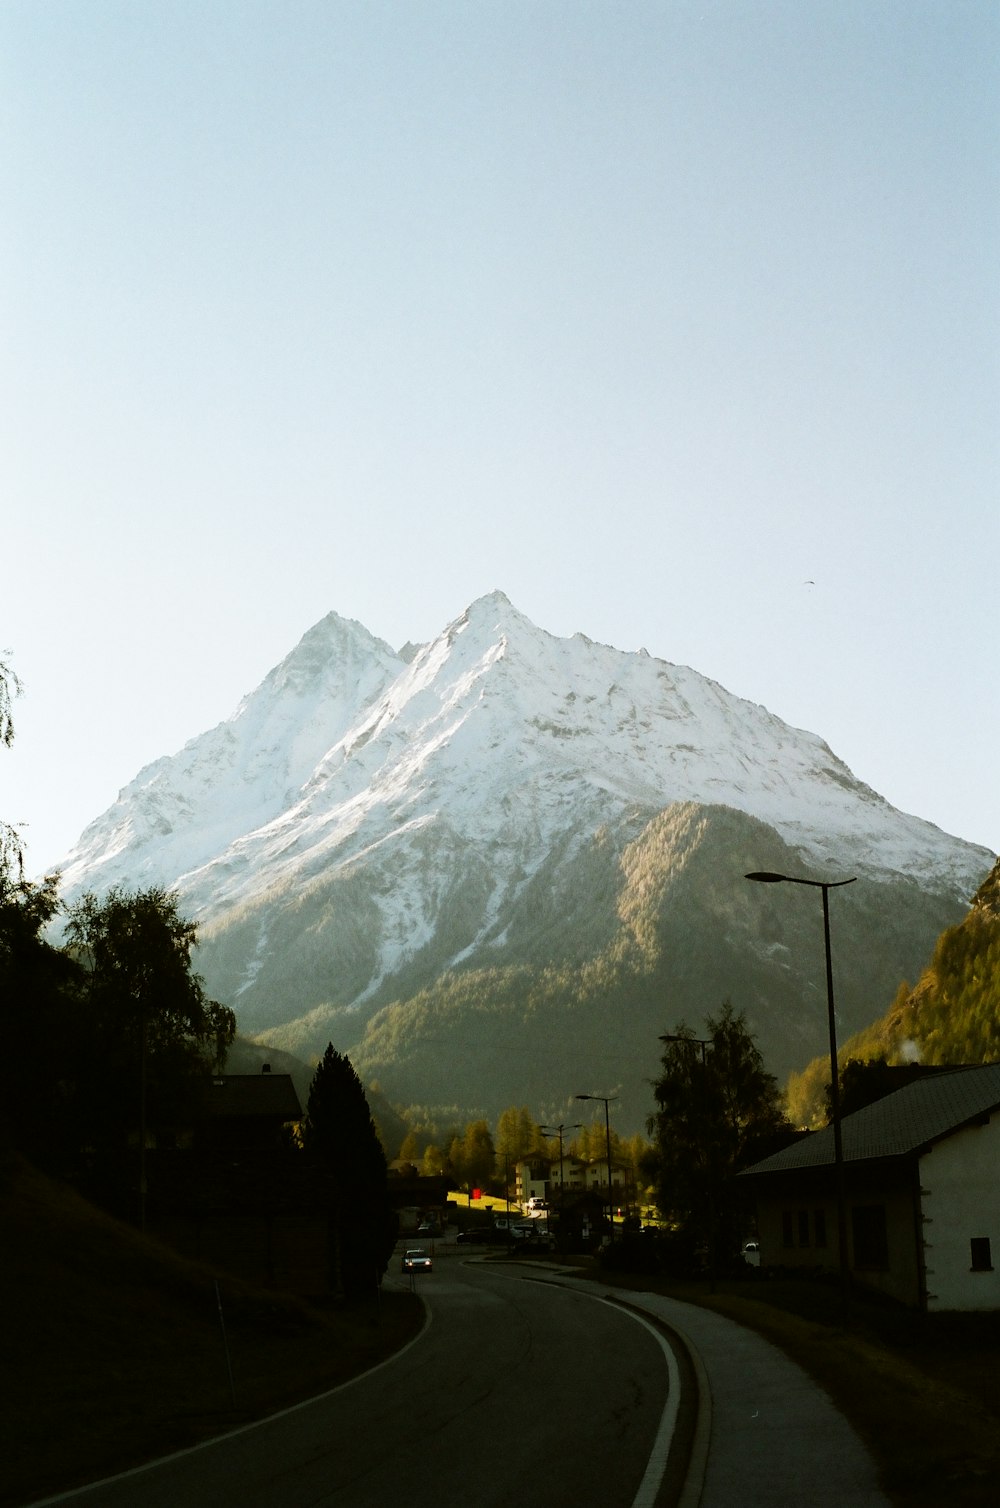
[
  {"x": 417, "y": 1259},
  {"x": 476, "y": 1235},
  {"x": 429, "y": 1228},
  {"x": 531, "y": 1235}
]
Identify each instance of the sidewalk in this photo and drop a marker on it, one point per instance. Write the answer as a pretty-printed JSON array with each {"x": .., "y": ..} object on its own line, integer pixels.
[
  {"x": 768, "y": 1436},
  {"x": 775, "y": 1439}
]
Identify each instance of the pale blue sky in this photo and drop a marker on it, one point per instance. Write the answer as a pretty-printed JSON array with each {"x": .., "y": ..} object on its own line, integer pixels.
[{"x": 648, "y": 314}]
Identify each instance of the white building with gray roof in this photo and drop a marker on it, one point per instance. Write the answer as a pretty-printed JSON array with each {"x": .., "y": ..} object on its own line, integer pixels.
[{"x": 922, "y": 1194}]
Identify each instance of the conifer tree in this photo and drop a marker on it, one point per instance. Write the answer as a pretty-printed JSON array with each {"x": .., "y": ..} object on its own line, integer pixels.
[{"x": 340, "y": 1138}]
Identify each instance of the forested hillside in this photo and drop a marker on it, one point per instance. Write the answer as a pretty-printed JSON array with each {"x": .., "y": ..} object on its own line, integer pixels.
[
  {"x": 951, "y": 1015},
  {"x": 672, "y": 931}
]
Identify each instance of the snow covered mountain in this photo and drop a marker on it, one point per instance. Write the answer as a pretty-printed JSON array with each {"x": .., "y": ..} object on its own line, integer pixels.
[{"x": 372, "y": 838}]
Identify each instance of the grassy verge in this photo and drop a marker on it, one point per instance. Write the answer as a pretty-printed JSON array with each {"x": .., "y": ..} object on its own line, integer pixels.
[
  {"x": 921, "y": 1390},
  {"x": 113, "y": 1347}
]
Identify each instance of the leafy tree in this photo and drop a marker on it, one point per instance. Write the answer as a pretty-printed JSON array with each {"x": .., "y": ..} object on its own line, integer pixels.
[
  {"x": 40, "y": 990},
  {"x": 10, "y": 687},
  {"x": 339, "y": 1137},
  {"x": 434, "y": 1162},
  {"x": 37, "y": 990},
  {"x": 11, "y": 849},
  {"x": 107, "y": 1031},
  {"x": 149, "y": 1029},
  {"x": 718, "y": 1111}
]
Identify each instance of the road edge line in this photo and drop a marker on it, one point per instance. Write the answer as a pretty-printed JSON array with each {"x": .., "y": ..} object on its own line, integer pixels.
[{"x": 241, "y": 1429}]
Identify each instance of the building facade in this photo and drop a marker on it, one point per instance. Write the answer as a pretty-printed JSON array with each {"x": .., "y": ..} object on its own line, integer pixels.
[{"x": 922, "y": 1194}]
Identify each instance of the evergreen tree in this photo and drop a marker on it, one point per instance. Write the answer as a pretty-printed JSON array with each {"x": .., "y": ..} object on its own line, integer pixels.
[{"x": 340, "y": 1139}]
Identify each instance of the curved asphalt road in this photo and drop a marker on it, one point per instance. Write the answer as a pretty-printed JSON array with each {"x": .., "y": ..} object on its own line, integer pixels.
[{"x": 516, "y": 1391}]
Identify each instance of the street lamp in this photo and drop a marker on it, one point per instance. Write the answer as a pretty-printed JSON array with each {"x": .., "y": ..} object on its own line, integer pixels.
[
  {"x": 506, "y": 1187},
  {"x": 703, "y": 1043},
  {"x": 558, "y": 1131},
  {"x": 767, "y": 877},
  {"x": 607, "y": 1098}
]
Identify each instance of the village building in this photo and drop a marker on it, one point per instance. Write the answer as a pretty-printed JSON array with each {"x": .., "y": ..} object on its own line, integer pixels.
[
  {"x": 558, "y": 1179},
  {"x": 921, "y": 1191}
]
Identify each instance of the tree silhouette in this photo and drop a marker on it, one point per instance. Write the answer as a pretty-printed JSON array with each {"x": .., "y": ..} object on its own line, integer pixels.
[
  {"x": 340, "y": 1139},
  {"x": 11, "y": 849},
  {"x": 149, "y": 1032},
  {"x": 718, "y": 1111},
  {"x": 42, "y": 1025}
]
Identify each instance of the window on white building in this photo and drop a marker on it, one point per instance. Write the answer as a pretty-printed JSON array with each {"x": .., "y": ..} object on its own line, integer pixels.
[
  {"x": 981, "y": 1256},
  {"x": 871, "y": 1246}
]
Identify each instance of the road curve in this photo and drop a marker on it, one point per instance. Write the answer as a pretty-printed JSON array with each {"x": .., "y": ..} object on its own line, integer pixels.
[{"x": 516, "y": 1390}]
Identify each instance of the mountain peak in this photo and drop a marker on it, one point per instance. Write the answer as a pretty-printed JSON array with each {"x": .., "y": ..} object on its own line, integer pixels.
[
  {"x": 492, "y": 611},
  {"x": 325, "y": 646},
  {"x": 369, "y": 823}
]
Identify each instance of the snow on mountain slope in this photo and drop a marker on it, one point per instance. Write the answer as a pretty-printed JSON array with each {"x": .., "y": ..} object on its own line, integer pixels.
[
  {"x": 367, "y": 823},
  {"x": 183, "y": 810},
  {"x": 499, "y": 729}
]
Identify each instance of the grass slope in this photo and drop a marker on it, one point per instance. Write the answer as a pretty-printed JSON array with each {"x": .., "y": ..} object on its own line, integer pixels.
[{"x": 113, "y": 1351}]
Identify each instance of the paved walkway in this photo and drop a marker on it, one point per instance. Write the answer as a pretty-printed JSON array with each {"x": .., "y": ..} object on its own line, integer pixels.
[{"x": 775, "y": 1439}]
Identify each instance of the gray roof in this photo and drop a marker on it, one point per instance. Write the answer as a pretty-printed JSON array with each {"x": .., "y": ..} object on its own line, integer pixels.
[
  {"x": 238, "y": 1095},
  {"x": 900, "y": 1124}
]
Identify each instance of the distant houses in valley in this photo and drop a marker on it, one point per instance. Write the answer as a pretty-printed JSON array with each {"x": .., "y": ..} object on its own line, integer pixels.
[{"x": 544, "y": 1179}]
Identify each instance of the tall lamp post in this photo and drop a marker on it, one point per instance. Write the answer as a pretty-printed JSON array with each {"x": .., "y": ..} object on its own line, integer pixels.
[
  {"x": 558, "y": 1131},
  {"x": 703, "y": 1043},
  {"x": 606, "y": 1098},
  {"x": 766, "y": 877}
]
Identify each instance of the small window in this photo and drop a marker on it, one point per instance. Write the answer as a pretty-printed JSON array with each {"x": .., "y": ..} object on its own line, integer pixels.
[
  {"x": 982, "y": 1258},
  {"x": 803, "y": 1227},
  {"x": 819, "y": 1227},
  {"x": 787, "y": 1236}
]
